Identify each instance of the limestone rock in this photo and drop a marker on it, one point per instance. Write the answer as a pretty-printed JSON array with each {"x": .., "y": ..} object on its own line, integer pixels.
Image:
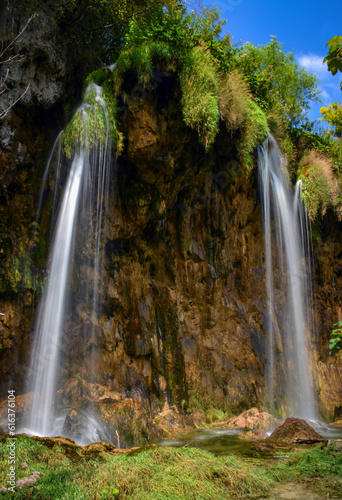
[
  {"x": 22, "y": 407},
  {"x": 170, "y": 420},
  {"x": 254, "y": 420},
  {"x": 295, "y": 431}
]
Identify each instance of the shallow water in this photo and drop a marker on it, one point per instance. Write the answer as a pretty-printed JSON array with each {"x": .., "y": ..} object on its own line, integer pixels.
[
  {"x": 217, "y": 441},
  {"x": 225, "y": 441}
]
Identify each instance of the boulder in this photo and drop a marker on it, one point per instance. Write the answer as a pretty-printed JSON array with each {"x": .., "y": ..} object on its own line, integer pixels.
[
  {"x": 170, "y": 420},
  {"x": 295, "y": 431},
  {"x": 254, "y": 420}
]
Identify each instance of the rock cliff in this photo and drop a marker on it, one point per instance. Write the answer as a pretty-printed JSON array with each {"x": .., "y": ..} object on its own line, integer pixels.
[{"x": 185, "y": 280}]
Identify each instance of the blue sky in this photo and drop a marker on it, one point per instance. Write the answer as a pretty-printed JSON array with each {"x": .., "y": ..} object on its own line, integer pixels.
[{"x": 302, "y": 26}]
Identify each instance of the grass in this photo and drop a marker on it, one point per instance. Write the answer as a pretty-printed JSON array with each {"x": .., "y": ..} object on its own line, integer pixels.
[
  {"x": 324, "y": 465},
  {"x": 158, "y": 474},
  {"x": 162, "y": 473}
]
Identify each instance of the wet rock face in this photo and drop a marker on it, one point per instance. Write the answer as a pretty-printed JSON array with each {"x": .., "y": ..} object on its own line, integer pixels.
[{"x": 182, "y": 316}]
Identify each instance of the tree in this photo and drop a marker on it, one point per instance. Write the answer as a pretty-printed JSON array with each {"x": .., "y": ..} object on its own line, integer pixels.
[
  {"x": 334, "y": 57},
  {"x": 276, "y": 81},
  {"x": 333, "y": 115}
]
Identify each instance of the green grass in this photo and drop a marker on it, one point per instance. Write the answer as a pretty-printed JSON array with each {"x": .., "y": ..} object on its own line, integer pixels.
[
  {"x": 158, "y": 473},
  {"x": 163, "y": 473},
  {"x": 322, "y": 464}
]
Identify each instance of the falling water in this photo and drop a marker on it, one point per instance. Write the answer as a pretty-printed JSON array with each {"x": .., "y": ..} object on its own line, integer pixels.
[
  {"x": 288, "y": 325},
  {"x": 75, "y": 264}
]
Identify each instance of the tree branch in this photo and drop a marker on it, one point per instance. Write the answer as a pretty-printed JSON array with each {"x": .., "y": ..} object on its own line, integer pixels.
[
  {"x": 4, "y": 113},
  {"x": 18, "y": 36}
]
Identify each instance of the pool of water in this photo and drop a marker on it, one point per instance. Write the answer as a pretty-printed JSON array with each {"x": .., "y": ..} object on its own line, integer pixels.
[
  {"x": 226, "y": 441},
  {"x": 217, "y": 441}
]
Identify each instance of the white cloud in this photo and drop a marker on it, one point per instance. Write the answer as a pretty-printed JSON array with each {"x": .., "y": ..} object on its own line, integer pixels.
[
  {"x": 314, "y": 63},
  {"x": 325, "y": 95}
]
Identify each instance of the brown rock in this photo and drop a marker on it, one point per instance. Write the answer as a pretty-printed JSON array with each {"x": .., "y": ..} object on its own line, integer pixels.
[
  {"x": 198, "y": 417},
  {"x": 22, "y": 406},
  {"x": 257, "y": 435},
  {"x": 170, "y": 420},
  {"x": 254, "y": 420},
  {"x": 295, "y": 431}
]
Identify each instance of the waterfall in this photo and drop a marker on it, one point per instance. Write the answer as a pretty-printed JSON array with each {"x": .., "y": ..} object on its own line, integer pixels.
[
  {"x": 288, "y": 323},
  {"x": 71, "y": 297}
]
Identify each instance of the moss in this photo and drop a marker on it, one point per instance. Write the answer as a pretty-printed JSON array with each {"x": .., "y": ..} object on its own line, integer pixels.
[
  {"x": 89, "y": 126},
  {"x": 199, "y": 86},
  {"x": 141, "y": 60},
  {"x": 254, "y": 131},
  {"x": 320, "y": 188},
  {"x": 169, "y": 360}
]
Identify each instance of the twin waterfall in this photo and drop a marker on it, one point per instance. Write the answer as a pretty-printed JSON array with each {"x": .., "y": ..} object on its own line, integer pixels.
[{"x": 71, "y": 302}]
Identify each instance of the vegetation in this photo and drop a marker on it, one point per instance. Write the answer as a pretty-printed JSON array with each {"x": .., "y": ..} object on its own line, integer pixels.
[
  {"x": 52, "y": 470},
  {"x": 334, "y": 57},
  {"x": 199, "y": 87},
  {"x": 319, "y": 186},
  {"x": 276, "y": 82},
  {"x": 333, "y": 115},
  {"x": 335, "y": 344},
  {"x": 90, "y": 124}
]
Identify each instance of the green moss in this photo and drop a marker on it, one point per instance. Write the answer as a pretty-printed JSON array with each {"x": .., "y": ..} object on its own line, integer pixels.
[
  {"x": 214, "y": 414},
  {"x": 254, "y": 131},
  {"x": 142, "y": 60},
  {"x": 88, "y": 127},
  {"x": 199, "y": 86},
  {"x": 320, "y": 188}
]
